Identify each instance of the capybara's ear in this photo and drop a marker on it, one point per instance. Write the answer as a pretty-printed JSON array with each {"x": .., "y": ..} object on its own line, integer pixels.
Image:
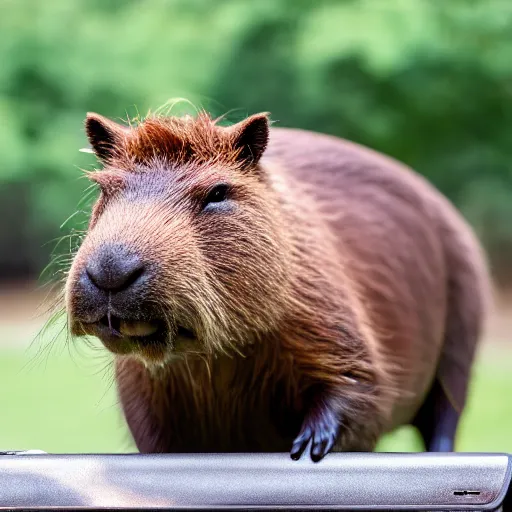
[
  {"x": 250, "y": 138},
  {"x": 104, "y": 135}
]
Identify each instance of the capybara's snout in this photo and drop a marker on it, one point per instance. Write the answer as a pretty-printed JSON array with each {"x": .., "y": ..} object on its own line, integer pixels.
[
  {"x": 111, "y": 298},
  {"x": 112, "y": 268},
  {"x": 112, "y": 280}
]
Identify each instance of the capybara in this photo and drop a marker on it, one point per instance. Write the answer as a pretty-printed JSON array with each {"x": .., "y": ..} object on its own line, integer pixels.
[{"x": 269, "y": 289}]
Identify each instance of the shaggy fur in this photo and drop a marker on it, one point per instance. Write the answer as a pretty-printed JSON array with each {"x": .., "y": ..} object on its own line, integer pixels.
[{"x": 329, "y": 292}]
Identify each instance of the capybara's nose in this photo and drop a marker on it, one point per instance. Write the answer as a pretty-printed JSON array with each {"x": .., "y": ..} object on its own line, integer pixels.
[{"x": 113, "y": 269}]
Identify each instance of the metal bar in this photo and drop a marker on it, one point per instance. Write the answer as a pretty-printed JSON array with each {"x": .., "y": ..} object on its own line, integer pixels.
[{"x": 365, "y": 481}]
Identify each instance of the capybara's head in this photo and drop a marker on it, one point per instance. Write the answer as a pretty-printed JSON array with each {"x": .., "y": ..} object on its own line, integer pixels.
[{"x": 185, "y": 250}]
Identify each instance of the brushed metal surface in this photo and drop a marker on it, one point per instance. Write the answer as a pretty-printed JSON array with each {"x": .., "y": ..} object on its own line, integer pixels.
[{"x": 341, "y": 481}]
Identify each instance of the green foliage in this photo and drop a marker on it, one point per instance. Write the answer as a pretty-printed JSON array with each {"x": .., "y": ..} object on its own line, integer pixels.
[{"x": 425, "y": 81}]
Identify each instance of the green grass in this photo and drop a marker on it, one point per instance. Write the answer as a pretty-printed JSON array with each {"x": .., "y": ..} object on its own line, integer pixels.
[{"x": 62, "y": 404}]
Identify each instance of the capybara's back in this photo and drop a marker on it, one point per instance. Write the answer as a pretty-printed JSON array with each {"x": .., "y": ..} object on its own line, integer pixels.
[{"x": 263, "y": 289}]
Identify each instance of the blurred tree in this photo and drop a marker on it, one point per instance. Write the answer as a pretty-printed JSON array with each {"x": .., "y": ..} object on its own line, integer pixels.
[{"x": 425, "y": 81}]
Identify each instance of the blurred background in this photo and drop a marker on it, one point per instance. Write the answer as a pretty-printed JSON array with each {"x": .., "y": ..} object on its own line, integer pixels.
[{"x": 428, "y": 82}]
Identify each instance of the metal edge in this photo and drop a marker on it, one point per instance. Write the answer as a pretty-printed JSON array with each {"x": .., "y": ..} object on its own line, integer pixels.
[{"x": 495, "y": 504}]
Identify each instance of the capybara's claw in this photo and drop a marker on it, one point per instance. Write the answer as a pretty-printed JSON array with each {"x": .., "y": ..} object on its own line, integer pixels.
[
  {"x": 301, "y": 443},
  {"x": 320, "y": 428}
]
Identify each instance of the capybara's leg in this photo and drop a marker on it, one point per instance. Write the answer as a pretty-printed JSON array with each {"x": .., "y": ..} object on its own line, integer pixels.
[
  {"x": 468, "y": 299},
  {"x": 338, "y": 420},
  {"x": 447, "y": 419},
  {"x": 437, "y": 420},
  {"x": 340, "y": 389}
]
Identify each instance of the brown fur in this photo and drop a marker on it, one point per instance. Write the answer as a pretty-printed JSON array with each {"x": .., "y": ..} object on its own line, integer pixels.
[{"x": 338, "y": 269}]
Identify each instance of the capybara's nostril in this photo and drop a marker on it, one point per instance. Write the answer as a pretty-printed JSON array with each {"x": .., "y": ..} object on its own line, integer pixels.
[{"x": 112, "y": 268}]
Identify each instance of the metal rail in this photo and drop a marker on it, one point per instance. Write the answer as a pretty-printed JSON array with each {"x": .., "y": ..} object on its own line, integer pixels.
[{"x": 370, "y": 481}]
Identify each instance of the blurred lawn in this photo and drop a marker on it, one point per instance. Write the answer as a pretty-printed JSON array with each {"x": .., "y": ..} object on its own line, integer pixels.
[
  {"x": 66, "y": 403},
  {"x": 59, "y": 406}
]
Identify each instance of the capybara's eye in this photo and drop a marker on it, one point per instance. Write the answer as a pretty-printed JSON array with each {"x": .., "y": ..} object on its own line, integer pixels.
[{"x": 217, "y": 194}]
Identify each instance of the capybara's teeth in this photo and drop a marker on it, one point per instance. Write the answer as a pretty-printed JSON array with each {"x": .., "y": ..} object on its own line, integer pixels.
[{"x": 128, "y": 328}]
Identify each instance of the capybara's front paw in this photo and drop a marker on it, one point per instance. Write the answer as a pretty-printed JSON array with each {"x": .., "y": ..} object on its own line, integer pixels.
[{"x": 322, "y": 427}]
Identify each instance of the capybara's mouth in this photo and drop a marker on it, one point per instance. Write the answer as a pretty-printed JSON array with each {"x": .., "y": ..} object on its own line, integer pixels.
[
  {"x": 152, "y": 339},
  {"x": 131, "y": 328}
]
